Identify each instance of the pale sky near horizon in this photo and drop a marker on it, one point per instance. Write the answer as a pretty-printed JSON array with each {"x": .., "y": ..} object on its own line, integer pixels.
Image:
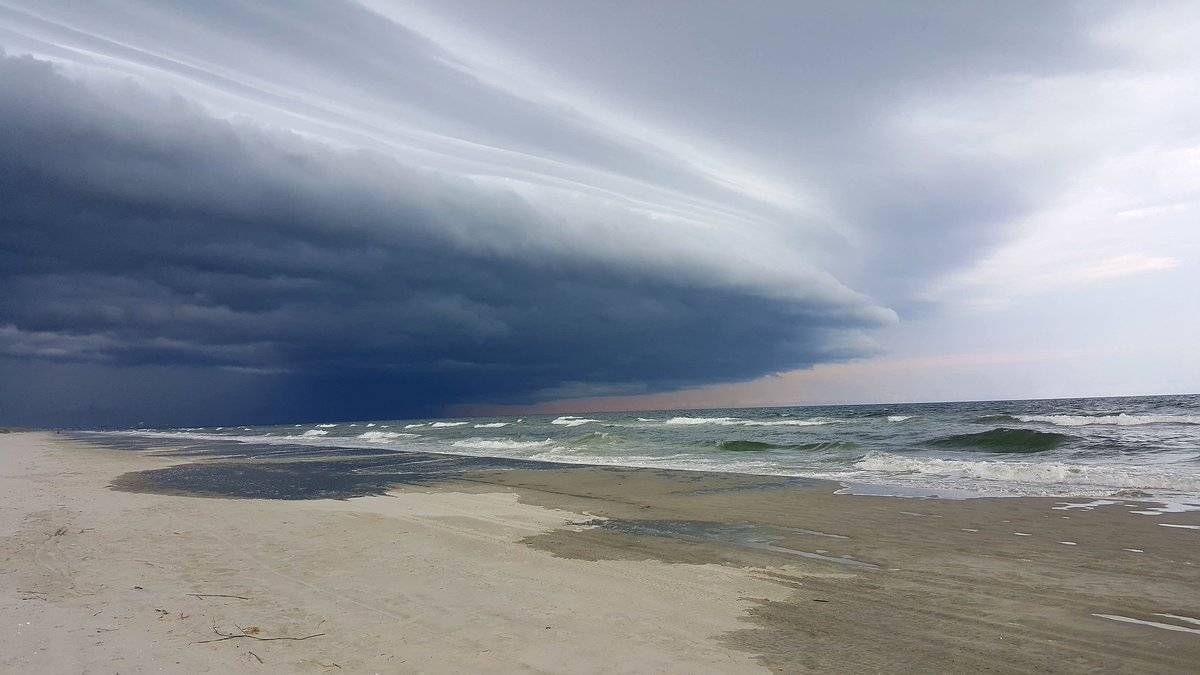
[{"x": 270, "y": 211}]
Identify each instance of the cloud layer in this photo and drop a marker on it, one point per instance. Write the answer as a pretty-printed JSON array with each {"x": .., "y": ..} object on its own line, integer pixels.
[
  {"x": 350, "y": 209},
  {"x": 142, "y": 231}
]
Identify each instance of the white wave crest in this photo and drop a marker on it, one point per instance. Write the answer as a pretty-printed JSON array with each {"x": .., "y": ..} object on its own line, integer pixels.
[
  {"x": 571, "y": 421},
  {"x": 735, "y": 422},
  {"x": 414, "y": 426},
  {"x": 701, "y": 420},
  {"x": 312, "y": 437},
  {"x": 380, "y": 436},
  {"x": 500, "y": 444},
  {"x": 491, "y": 425},
  {"x": 1123, "y": 419},
  {"x": 1058, "y": 474},
  {"x": 326, "y": 426},
  {"x": 441, "y": 425},
  {"x": 786, "y": 423},
  {"x": 898, "y": 418}
]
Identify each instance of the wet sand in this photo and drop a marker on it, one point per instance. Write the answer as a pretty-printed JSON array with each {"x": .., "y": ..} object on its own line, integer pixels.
[{"x": 491, "y": 566}]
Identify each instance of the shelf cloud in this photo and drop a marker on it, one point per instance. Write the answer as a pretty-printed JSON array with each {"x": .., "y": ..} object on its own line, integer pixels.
[{"x": 378, "y": 209}]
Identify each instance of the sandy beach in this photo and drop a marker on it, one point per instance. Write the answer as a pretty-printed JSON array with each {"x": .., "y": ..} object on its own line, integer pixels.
[{"x": 572, "y": 570}]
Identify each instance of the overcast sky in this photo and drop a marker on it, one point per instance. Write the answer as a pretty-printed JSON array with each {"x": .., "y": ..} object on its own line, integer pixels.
[{"x": 273, "y": 211}]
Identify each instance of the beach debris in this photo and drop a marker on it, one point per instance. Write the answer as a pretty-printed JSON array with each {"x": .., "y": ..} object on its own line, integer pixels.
[
  {"x": 251, "y": 633},
  {"x": 218, "y": 595},
  {"x": 256, "y": 656}
]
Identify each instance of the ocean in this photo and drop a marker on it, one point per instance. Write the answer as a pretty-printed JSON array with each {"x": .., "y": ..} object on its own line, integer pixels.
[{"x": 1130, "y": 447}]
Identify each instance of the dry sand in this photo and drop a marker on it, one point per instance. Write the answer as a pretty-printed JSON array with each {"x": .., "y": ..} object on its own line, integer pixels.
[
  {"x": 575, "y": 570},
  {"x": 94, "y": 580}
]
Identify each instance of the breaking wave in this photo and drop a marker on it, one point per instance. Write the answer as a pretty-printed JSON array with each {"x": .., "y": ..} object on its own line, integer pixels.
[
  {"x": 500, "y": 444},
  {"x": 1069, "y": 476},
  {"x": 597, "y": 438},
  {"x": 759, "y": 446},
  {"x": 737, "y": 422},
  {"x": 572, "y": 421},
  {"x": 1123, "y": 419},
  {"x": 380, "y": 436}
]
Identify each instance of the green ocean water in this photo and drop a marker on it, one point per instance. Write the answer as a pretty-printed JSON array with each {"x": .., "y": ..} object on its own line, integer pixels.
[{"x": 1134, "y": 447}]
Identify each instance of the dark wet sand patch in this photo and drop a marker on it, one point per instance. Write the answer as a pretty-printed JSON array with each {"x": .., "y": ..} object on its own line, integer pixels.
[
  {"x": 234, "y": 470},
  {"x": 290, "y": 479},
  {"x": 697, "y": 542},
  {"x": 938, "y": 599}
]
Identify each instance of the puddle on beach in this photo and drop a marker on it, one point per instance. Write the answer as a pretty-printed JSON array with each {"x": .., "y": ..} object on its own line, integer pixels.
[{"x": 262, "y": 471}]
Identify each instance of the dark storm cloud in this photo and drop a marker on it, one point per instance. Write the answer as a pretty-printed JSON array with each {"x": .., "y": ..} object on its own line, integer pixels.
[
  {"x": 141, "y": 237},
  {"x": 372, "y": 207}
]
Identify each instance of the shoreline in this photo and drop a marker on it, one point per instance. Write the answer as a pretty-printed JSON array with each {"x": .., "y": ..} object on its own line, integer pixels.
[
  {"x": 631, "y": 569},
  {"x": 949, "y": 454}
]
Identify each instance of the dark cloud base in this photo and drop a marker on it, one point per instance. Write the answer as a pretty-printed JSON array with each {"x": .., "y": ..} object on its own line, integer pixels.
[{"x": 160, "y": 265}]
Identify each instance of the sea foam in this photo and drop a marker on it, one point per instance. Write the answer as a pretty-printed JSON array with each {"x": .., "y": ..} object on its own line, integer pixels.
[
  {"x": 500, "y": 444},
  {"x": 1122, "y": 419},
  {"x": 572, "y": 421},
  {"x": 1007, "y": 473},
  {"x": 380, "y": 436},
  {"x": 736, "y": 422}
]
